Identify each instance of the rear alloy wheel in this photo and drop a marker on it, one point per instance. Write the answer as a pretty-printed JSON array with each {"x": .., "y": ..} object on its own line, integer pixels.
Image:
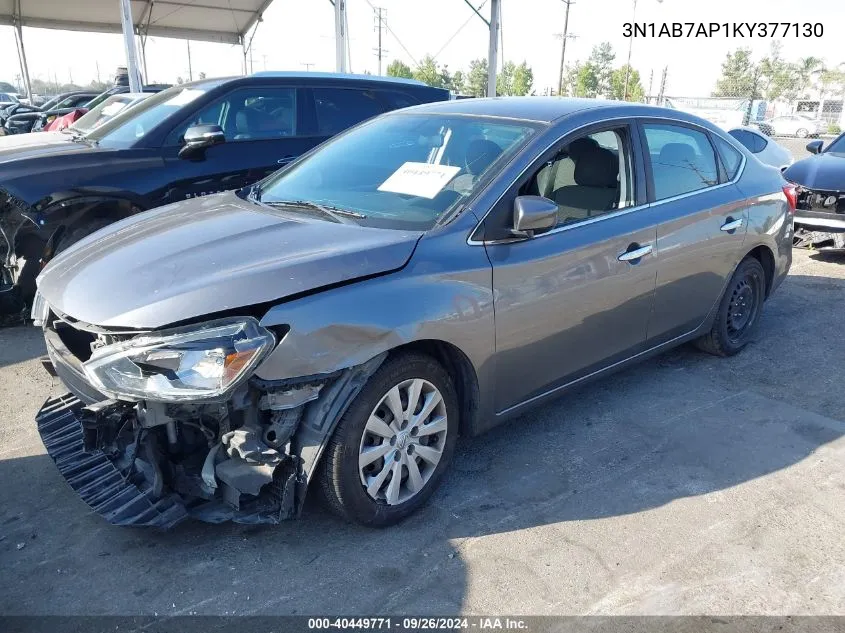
[
  {"x": 739, "y": 311},
  {"x": 802, "y": 133},
  {"x": 393, "y": 444}
]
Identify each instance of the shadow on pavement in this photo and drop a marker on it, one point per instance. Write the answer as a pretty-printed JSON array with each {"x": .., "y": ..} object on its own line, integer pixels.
[{"x": 20, "y": 343}]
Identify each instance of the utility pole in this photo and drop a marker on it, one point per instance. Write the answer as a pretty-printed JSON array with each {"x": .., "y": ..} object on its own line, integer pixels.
[
  {"x": 564, "y": 37},
  {"x": 340, "y": 36},
  {"x": 190, "y": 70},
  {"x": 380, "y": 25},
  {"x": 493, "y": 48},
  {"x": 630, "y": 45},
  {"x": 307, "y": 66},
  {"x": 650, "y": 83},
  {"x": 660, "y": 96}
]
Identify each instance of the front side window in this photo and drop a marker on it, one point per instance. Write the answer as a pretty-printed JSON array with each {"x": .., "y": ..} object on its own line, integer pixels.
[
  {"x": 590, "y": 176},
  {"x": 401, "y": 171},
  {"x": 340, "y": 108},
  {"x": 682, "y": 160},
  {"x": 246, "y": 114}
]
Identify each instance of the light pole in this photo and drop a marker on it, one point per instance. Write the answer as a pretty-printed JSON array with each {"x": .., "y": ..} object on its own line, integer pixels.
[
  {"x": 563, "y": 46},
  {"x": 630, "y": 45}
]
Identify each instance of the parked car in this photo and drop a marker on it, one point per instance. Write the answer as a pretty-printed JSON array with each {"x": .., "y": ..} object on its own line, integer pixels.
[
  {"x": 764, "y": 128},
  {"x": 765, "y": 149},
  {"x": 8, "y": 98},
  {"x": 188, "y": 141},
  {"x": 106, "y": 110},
  {"x": 820, "y": 216},
  {"x": 22, "y": 120},
  {"x": 796, "y": 125},
  {"x": 335, "y": 321}
]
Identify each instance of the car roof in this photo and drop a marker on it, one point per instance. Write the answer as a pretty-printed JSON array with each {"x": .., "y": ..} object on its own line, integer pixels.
[
  {"x": 286, "y": 74},
  {"x": 548, "y": 109}
]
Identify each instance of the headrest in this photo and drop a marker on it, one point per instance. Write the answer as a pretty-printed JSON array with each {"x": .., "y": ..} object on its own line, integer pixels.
[
  {"x": 480, "y": 155},
  {"x": 597, "y": 167},
  {"x": 677, "y": 154},
  {"x": 580, "y": 146}
]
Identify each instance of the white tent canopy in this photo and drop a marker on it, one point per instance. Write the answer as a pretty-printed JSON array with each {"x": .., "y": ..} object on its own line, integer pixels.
[{"x": 223, "y": 21}]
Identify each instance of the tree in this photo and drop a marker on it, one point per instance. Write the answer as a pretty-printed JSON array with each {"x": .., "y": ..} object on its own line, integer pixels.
[
  {"x": 523, "y": 80},
  {"x": 740, "y": 76},
  {"x": 398, "y": 68},
  {"x": 476, "y": 80},
  {"x": 777, "y": 77},
  {"x": 830, "y": 81},
  {"x": 570, "y": 80},
  {"x": 430, "y": 73},
  {"x": 504, "y": 80},
  {"x": 594, "y": 77},
  {"x": 458, "y": 82},
  {"x": 806, "y": 70},
  {"x": 635, "y": 87}
]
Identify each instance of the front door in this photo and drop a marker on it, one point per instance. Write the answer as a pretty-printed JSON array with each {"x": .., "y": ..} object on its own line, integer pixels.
[
  {"x": 262, "y": 132},
  {"x": 577, "y": 298},
  {"x": 702, "y": 228}
]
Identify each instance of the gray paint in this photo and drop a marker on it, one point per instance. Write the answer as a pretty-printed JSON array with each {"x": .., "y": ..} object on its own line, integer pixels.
[{"x": 533, "y": 317}]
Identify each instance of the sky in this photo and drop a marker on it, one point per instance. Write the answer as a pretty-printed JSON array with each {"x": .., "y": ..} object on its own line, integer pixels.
[{"x": 299, "y": 35}]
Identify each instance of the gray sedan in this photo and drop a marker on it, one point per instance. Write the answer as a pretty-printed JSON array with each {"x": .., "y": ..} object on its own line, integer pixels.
[{"x": 414, "y": 281}]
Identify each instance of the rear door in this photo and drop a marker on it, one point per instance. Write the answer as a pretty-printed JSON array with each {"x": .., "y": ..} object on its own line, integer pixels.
[
  {"x": 331, "y": 109},
  {"x": 703, "y": 221},
  {"x": 263, "y": 129}
]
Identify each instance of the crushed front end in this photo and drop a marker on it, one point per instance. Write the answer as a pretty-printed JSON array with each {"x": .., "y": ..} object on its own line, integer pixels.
[
  {"x": 210, "y": 441},
  {"x": 19, "y": 257},
  {"x": 820, "y": 219}
]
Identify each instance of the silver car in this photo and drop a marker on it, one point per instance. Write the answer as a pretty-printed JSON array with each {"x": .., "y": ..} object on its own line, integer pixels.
[
  {"x": 798, "y": 125},
  {"x": 412, "y": 282}
]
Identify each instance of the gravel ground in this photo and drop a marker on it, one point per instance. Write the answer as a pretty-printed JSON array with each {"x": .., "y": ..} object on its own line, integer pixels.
[{"x": 686, "y": 485}]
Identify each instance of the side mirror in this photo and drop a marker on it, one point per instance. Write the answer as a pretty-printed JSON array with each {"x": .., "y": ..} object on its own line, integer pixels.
[
  {"x": 198, "y": 138},
  {"x": 533, "y": 214},
  {"x": 815, "y": 147}
]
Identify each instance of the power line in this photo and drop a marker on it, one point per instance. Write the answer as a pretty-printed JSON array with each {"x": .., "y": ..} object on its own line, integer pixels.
[
  {"x": 460, "y": 28},
  {"x": 398, "y": 41}
]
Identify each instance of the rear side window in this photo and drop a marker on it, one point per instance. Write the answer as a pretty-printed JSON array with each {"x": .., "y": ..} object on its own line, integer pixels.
[
  {"x": 340, "y": 108},
  {"x": 731, "y": 158},
  {"x": 396, "y": 100},
  {"x": 682, "y": 160}
]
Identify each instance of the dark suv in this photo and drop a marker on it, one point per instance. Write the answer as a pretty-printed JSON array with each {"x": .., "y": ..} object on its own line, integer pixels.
[{"x": 187, "y": 141}]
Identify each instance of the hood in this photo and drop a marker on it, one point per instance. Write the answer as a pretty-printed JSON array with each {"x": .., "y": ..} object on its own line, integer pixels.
[
  {"x": 823, "y": 172},
  {"x": 13, "y": 142},
  {"x": 207, "y": 255}
]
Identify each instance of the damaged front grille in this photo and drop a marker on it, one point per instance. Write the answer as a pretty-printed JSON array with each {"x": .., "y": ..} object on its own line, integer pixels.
[{"x": 821, "y": 201}]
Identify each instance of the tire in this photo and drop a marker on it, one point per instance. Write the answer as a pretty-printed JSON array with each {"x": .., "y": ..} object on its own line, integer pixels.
[
  {"x": 802, "y": 133},
  {"x": 73, "y": 235},
  {"x": 739, "y": 311},
  {"x": 342, "y": 481}
]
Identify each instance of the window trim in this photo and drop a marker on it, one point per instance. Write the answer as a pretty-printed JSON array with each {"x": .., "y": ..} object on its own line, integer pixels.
[{"x": 635, "y": 121}]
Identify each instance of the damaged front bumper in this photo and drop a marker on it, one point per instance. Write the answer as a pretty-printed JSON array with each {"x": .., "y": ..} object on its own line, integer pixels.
[
  {"x": 820, "y": 219},
  {"x": 247, "y": 460}
]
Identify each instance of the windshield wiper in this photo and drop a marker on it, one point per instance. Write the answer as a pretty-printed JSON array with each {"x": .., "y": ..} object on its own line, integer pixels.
[{"x": 336, "y": 213}]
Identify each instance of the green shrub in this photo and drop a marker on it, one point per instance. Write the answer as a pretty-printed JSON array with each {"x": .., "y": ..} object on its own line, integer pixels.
[{"x": 833, "y": 128}]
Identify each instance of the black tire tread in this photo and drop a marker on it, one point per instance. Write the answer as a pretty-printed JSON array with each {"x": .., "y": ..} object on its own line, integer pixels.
[{"x": 713, "y": 342}]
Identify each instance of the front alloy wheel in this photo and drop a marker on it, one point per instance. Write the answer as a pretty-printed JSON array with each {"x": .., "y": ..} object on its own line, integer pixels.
[{"x": 393, "y": 444}]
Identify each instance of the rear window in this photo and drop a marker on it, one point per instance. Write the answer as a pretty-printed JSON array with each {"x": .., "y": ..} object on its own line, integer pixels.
[
  {"x": 731, "y": 158},
  {"x": 396, "y": 100},
  {"x": 340, "y": 108}
]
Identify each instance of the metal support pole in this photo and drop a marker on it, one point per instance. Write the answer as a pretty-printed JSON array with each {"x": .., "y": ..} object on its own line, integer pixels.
[
  {"x": 144, "y": 59},
  {"x": 190, "y": 70},
  {"x": 340, "y": 35},
  {"x": 22, "y": 50},
  {"x": 563, "y": 47},
  {"x": 129, "y": 44},
  {"x": 493, "y": 49}
]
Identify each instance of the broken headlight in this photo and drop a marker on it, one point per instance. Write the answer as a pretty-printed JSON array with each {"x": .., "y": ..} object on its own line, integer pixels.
[{"x": 191, "y": 363}]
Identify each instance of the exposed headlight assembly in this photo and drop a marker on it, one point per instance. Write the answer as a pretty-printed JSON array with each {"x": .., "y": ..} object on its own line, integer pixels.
[{"x": 201, "y": 362}]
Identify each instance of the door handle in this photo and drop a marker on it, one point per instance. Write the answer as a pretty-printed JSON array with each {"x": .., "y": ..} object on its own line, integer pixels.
[
  {"x": 731, "y": 225},
  {"x": 635, "y": 254}
]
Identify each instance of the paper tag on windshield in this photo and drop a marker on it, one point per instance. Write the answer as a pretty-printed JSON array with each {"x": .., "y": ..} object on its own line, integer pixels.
[{"x": 419, "y": 179}]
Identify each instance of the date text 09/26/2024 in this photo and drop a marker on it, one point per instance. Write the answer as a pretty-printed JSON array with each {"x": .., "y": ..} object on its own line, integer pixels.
[
  {"x": 423, "y": 623},
  {"x": 723, "y": 29}
]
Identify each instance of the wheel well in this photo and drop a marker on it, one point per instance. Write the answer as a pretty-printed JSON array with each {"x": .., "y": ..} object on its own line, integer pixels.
[
  {"x": 767, "y": 260},
  {"x": 461, "y": 370}
]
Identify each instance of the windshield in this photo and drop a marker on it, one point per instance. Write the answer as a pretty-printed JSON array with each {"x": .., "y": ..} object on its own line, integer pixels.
[
  {"x": 134, "y": 123},
  {"x": 105, "y": 111},
  {"x": 837, "y": 146},
  {"x": 400, "y": 171}
]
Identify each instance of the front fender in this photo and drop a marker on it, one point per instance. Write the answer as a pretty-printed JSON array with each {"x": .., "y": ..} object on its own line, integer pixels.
[{"x": 443, "y": 294}]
